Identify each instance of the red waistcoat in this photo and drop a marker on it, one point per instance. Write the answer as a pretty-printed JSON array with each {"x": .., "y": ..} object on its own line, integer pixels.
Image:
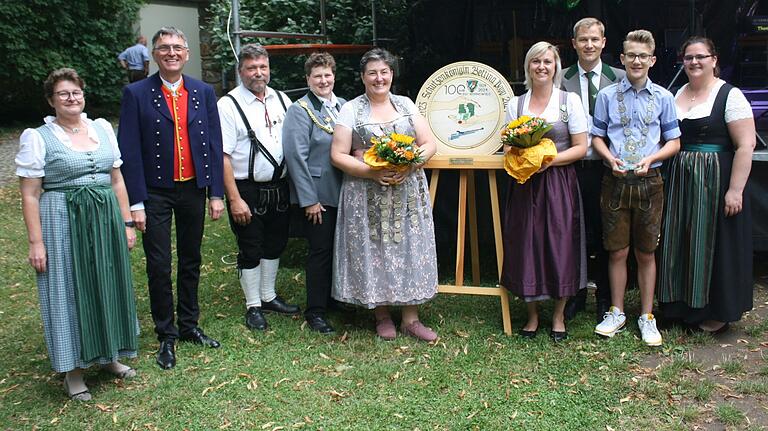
[{"x": 183, "y": 167}]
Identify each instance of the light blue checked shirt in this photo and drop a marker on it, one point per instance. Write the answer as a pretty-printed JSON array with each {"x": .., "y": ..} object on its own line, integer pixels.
[{"x": 663, "y": 126}]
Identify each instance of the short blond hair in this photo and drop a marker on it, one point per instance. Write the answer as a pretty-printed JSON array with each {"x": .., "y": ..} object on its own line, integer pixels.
[
  {"x": 537, "y": 50},
  {"x": 587, "y": 23},
  {"x": 640, "y": 36}
]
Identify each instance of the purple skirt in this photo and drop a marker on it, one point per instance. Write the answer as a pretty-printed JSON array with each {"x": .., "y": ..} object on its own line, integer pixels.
[{"x": 544, "y": 241}]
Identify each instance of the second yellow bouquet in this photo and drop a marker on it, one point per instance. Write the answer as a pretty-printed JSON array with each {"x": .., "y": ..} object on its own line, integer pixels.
[
  {"x": 530, "y": 150},
  {"x": 393, "y": 151}
]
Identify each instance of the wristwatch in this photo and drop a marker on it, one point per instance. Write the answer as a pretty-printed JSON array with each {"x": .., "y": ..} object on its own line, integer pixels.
[{"x": 130, "y": 223}]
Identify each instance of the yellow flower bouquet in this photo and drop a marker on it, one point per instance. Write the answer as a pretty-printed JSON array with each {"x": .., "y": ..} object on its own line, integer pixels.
[
  {"x": 530, "y": 150},
  {"x": 393, "y": 151}
]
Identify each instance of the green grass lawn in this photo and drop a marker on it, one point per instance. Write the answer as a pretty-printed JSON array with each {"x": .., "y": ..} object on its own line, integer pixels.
[{"x": 474, "y": 377}]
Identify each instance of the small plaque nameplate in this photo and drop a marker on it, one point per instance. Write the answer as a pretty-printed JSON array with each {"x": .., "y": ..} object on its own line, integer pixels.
[{"x": 461, "y": 161}]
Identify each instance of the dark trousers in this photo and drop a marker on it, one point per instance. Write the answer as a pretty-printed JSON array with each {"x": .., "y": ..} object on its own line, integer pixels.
[
  {"x": 590, "y": 174},
  {"x": 266, "y": 236},
  {"x": 186, "y": 203},
  {"x": 136, "y": 75},
  {"x": 319, "y": 262}
]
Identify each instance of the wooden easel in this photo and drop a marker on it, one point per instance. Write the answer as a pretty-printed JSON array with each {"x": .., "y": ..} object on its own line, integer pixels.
[{"x": 467, "y": 165}]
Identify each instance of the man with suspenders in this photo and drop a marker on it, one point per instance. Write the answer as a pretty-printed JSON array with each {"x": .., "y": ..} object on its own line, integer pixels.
[{"x": 255, "y": 182}]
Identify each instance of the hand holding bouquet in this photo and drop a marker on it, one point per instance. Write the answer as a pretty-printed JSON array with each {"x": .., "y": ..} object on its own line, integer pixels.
[
  {"x": 530, "y": 151},
  {"x": 394, "y": 151}
]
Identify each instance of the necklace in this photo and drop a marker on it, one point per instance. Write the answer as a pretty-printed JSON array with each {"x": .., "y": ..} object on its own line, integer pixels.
[
  {"x": 705, "y": 91},
  {"x": 327, "y": 127},
  {"x": 71, "y": 130},
  {"x": 632, "y": 147}
]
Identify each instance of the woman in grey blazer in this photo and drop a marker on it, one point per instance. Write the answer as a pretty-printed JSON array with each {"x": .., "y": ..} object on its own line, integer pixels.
[{"x": 314, "y": 182}]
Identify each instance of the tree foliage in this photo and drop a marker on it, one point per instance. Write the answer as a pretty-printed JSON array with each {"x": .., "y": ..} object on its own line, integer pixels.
[
  {"x": 347, "y": 21},
  {"x": 42, "y": 35}
]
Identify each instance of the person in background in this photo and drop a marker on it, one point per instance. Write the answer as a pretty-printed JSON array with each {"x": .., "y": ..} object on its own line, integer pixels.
[
  {"x": 135, "y": 60},
  {"x": 256, "y": 183},
  {"x": 315, "y": 183},
  {"x": 80, "y": 230},
  {"x": 586, "y": 78},
  {"x": 705, "y": 276},
  {"x": 384, "y": 251}
]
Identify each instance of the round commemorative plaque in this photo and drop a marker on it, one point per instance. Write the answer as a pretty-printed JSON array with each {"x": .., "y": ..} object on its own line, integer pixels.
[{"x": 465, "y": 105}]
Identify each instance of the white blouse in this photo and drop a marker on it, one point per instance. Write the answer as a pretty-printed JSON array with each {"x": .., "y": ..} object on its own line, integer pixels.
[
  {"x": 30, "y": 161},
  {"x": 736, "y": 105},
  {"x": 577, "y": 119}
]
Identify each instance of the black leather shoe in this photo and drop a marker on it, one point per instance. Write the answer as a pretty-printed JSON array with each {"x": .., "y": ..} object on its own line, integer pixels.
[
  {"x": 601, "y": 307},
  {"x": 254, "y": 319},
  {"x": 575, "y": 304},
  {"x": 279, "y": 306},
  {"x": 319, "y": 324},
  {"x": 530, "y": 335},
  {"x": 197, "y": 336},
  {"x": 558, "y": 336},
  {"x": 340, "y": 307},
  {"x": 166, "y": 355}
]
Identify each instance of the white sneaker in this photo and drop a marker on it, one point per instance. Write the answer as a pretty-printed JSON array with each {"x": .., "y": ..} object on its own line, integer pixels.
[
  {"x": 651, "y": 335},
  {"x": 612, "y": 322}
]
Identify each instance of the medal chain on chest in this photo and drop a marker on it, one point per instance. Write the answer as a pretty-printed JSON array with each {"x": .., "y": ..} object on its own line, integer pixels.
[{"x": 632, "y": 145}]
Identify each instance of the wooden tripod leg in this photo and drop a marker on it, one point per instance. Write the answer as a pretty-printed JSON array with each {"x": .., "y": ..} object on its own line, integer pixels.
[
  {"x": 473, "y": 248},
  {"x": 461, "y": 228},
  {"x": 433, "y": 186},
  {"x": 494, "y": 194}
]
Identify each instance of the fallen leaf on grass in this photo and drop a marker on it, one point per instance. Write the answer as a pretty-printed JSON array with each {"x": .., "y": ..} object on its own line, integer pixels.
[
  {"x": 324, "y": 356},
  {"x": 283, "y": 380},
  {"x": 471, "y": 415},
  {"x": 462, "y": 334},
  {"x": 338, "y": 396},
  {"x": 741, "y": 340},
  {"x": 103, "y": 408},
  {"x": 9, "y": 389},
  {"x": 344, "y": 337},
  {"x": 213, "y": 377},
  {"x": 298, "y": 425},
  {"x": 409, "y": 360},
  {"x": 252, "y": 385},
  {"x": 625, "y": 399},
  {"x": 267, "y": 425},
  {"x": 225, "y": 425},
  {"x": 398, "y": 415}
]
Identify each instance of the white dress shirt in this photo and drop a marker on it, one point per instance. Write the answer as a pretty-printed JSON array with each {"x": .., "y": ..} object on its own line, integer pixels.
[
  {"x": 234, "y": 133},
  {"x": 583, "y": 82}
]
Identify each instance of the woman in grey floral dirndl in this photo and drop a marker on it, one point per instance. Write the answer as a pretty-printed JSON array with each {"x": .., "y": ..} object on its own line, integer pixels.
[{"x": 384, "y": 252}]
